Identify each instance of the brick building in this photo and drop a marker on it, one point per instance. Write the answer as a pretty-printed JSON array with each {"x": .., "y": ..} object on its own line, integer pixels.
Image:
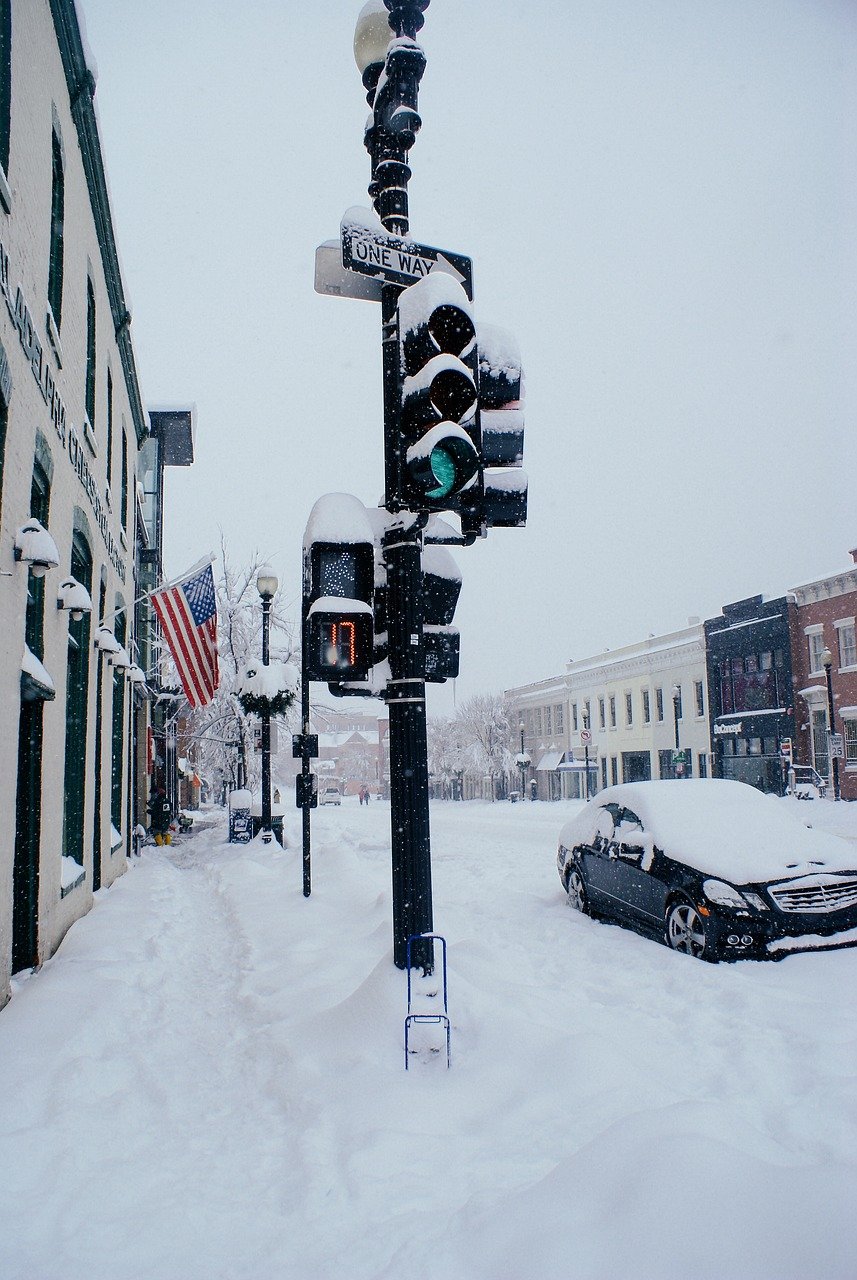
[{"x": 826, "y": 612}]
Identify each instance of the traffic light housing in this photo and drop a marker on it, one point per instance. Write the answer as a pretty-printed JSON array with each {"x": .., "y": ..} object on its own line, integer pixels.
[
  {"x": 441, "y": 589},
  {"x": 501, "y": 415},
  {"x": 436, "y": 440},
  {"x": 338, "y": 590}
]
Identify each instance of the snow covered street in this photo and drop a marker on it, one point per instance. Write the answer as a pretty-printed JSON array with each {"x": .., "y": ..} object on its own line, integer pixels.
[{"x": 207, "y": 1079}]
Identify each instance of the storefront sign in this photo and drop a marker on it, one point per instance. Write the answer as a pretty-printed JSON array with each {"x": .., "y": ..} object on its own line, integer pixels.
[
  {"x": 66, "y": 433},
  {"x": 721, "y": 730}
]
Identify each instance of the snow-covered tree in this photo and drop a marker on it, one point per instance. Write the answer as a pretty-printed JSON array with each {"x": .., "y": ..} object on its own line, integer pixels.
[
  {"x": 485, "y": 725},
  {"x": 223, "y": 731},
  {"x": 447, "y": 757}
]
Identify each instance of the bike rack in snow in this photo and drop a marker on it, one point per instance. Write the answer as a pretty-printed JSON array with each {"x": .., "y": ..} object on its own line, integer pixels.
[{"x": 425, "y": 1017}]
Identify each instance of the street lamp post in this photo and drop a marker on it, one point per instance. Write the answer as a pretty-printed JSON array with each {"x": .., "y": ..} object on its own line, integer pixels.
[
  {"x": 676, "y": 706},
  {"x": 385, "y": 41},
  {"x": 827, "y": 663},
  {"x": 266, "y": 585},
  {"x": 523, "y": 763},
  {"x": 586, "y": 748}
]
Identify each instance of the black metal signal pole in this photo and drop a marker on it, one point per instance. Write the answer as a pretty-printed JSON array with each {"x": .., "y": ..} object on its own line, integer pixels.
[
  {"x": 395, "y": 123},
  {"x": 305, "y": 761}
]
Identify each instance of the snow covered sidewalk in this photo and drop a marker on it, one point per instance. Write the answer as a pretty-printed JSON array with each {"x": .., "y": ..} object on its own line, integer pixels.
[{"x": 207, "y": 1080}]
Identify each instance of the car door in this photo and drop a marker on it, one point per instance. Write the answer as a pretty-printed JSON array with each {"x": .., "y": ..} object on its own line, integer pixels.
[
  {"x": 598, "y": 873},
  {"x": 633, "y": 890}
]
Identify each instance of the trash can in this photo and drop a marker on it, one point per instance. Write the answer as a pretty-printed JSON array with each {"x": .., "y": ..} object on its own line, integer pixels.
[
  {"x": 277, "y": 812},
  {"x": 240, "y": 826}
]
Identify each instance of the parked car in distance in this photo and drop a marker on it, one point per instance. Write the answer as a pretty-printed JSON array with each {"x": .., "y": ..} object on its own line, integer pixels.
[
  {"x": 715, "y": 867},
  {"x": 330, "y": 795}
]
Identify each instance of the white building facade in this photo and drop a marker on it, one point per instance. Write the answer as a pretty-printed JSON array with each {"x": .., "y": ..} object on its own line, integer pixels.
[
  {"x": 71, "y": 422},
  {"x": 627, "y": 715}
]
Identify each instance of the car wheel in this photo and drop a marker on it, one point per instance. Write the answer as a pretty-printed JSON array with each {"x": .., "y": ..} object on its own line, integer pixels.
[
  {"x": 577, "y": 895},
  {"x": 685, "y": 930}
]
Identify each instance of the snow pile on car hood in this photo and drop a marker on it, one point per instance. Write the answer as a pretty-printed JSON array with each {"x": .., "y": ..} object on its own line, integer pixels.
[{"x": 724, "y": 828}]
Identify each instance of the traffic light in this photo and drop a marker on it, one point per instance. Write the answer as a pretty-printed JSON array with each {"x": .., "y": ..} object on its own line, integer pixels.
[
  {"x": 437, "y": 444},
  {"x": 501, "y": 414},
  {"x": 338, "y": 590},
  {"x": 441, "y": 589}
]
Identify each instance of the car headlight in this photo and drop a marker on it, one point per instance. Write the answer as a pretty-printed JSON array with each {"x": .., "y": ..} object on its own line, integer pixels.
[{"x": 725, "y": 895}]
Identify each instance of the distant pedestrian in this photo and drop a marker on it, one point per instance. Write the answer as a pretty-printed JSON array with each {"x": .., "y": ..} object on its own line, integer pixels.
[
  {"x": 364, "y": 794},
  {"x": 161, "y": 816}
]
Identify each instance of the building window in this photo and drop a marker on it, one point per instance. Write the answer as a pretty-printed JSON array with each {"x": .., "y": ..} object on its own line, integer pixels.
[
  {"x": 815, "y": 640},
  {"x": 124, "y": 477},
  {"x": 90, "y": 353},
  {"x": 4, "y": 419},
  {"x": 77, "y": 694},
  {"x": 574, "y": 716},
  {"x": 659, "y": 703},
  {"x": 55, "y": 267},
  {"x": 40, "y": 501},
  {"x": 116, "y": 772},
  {"x": 5, "y": 81},
  {"x": 702, "y": 761},
  {"x": 750, "y": 683},
  {"x": 850, "y": 741},
  {"x": 602, "y": 717},
  {"x": 629, "y": 709},
  {"x": 700, "y": 698},
  {"x": 647, "y": 707},
  {"x": 604, "y": 771},
  {"x": 558, "y": 720},
  {"x": 548, "y": 724},
  {"x": 537, "y": 722},
  {"x": 847, "y": 645},
  {"x": 612, "y": 711},
  {"x": 109, "y": 441},
  {"x": 614, "y": 770}
]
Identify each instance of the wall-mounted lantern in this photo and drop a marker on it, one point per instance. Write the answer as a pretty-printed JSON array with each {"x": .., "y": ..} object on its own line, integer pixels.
[
  {"x": 35, "y": 547},
  {"x": 74, "y": 597}
]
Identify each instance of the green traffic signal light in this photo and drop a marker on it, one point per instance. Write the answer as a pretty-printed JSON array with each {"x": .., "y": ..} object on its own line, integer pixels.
[{"x": 443, "y": 462}]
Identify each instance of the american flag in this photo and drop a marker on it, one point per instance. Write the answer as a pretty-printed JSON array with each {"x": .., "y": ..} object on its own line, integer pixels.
[{"x": 187, "y": 612}]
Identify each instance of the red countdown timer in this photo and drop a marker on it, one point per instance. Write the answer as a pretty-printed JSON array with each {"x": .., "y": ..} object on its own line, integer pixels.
[{"x": 340, "y": 646}]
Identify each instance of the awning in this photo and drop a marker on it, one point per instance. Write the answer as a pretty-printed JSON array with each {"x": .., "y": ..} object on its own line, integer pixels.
[
  {"x": 35, "y": 681},
  {"x": 549, "y": 761}
]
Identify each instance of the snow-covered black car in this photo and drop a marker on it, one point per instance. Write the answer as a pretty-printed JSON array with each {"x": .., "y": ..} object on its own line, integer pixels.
[{"x": 717, "y": 869}]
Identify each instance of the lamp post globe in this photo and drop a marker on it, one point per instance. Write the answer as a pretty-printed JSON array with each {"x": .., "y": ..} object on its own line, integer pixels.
[{"x": 372, "y": 35}]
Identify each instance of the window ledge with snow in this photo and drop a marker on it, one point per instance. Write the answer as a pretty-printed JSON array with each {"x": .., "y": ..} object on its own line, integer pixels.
[
  {"x": 5, "y": 192},
  {"x": 89, "y": 437},
  {"x": 115, "y": 838},
  {"x": 71, "y": 875},
  {"x": 53, "y": 335}
]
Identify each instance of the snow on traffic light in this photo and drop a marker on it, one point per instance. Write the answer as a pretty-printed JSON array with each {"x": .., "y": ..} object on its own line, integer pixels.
[
  {"x": 338, "y": 589},
  {"x": 501, "y": 415},
  {"x": 438, "y": 431}
]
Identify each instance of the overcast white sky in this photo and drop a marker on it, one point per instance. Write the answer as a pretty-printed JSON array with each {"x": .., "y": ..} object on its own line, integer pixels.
[{"x": 660, "y": 199}]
